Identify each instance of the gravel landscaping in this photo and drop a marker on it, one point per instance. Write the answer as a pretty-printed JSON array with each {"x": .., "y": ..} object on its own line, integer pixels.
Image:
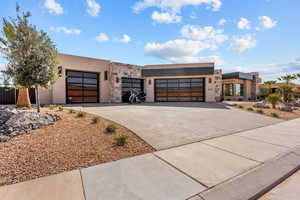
[
  {"x": 270, "y": 111},
  {"x": 70, "y": 143}
]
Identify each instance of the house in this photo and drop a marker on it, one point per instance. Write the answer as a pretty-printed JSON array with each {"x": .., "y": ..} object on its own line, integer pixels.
[
  {"x": 90, "y": 80},
  {"x": 239, "y": 86}
]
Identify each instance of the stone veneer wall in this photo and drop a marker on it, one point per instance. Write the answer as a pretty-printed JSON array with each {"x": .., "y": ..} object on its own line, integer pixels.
[
  {"x": 119, "y": 70},
  {"x": 218, "y": 84}
]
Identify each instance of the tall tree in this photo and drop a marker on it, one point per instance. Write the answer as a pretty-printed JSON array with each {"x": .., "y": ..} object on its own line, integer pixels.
[
  {"x": 288, "y": 78},
  {"x": 31, "y": 55}
]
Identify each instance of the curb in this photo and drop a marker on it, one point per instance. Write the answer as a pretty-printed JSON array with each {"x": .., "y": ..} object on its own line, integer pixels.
[{"x": 257, "y": 181}]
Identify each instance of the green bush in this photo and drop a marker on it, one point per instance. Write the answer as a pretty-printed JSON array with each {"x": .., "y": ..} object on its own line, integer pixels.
[
  {"x": 71, "y": 111},
  {"x": 234, "y": 105},
  {"x": 260, "y": 111},
  {"x": 250, "y": 109},
  {"x": 52, "y": 106},
  {"x": 273, "y": 114},
  {"x": 240, "y": 106},
  {"x": 273, "y": 99},
  {"x": 81, "y": 114},
  {"x": 120, "y": 139},
  {"x": 95, "y": 120},
  {"x": 111, "y": 128},
  {"x": 60, "y": 108}
]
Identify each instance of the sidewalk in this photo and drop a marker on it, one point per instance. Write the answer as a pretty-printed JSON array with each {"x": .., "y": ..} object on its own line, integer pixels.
[{"x": 240, "y": 166}]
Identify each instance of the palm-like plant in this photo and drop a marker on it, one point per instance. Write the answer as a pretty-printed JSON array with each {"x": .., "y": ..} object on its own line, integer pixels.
[
  {"x": 273, "y": 99},
  {"x": 288, "y": 78},
  {"x": 287, "y": 92}
]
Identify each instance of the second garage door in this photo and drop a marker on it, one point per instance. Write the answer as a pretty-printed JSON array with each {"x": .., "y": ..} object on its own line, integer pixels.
[{"x": 176, "y": 90}]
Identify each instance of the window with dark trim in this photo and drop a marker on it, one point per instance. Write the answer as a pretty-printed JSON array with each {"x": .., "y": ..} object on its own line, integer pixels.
[
  {"x": 228, "y": 90},
  {"x": 105, "y": 75}
]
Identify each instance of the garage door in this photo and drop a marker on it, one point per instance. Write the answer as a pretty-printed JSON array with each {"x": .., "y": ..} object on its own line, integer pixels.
[
  {"x": 172, "y": 90},
  {"x": 128, "y": 84},
  {"x": 82, "y": 87}
]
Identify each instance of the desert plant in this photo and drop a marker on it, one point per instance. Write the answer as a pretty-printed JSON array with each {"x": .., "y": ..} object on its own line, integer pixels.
[
  {"x": 52, "y": 106},
  {"x": 120, "y": 139},
  {"x": 111, "y": 128},
  {"x": 81, "y": 114},
  {"x": 263, "y": 91},
  {"x": 31, "y": 56},
  {"x": 250, "y": 109},
  {"x": 273, "y": 99},
  {"x": 60, "y": 108},
  {"x": 273, "y": 114},
  {"x": 234, "y": 105},
  {"x": 71, "y": 111},
  {"x": 288, "y": 78},
  {"x": 287, "y": 92},
  {"x": 95, "y": 120},
  {"x": 260, "y": 111},
  {"x": 240, "y": 106}
]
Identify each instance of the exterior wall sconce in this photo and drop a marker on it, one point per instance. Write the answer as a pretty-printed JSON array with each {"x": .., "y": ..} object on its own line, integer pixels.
[
  {"x": 117, "y": 80},
  {"x": 149, "y": 82},
  {"x": 59, "y": 69}
]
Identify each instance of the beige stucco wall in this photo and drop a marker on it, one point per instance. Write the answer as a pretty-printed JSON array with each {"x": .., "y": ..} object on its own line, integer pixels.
[
  {"x": 81, "y": 64},
  {"x": 45, "y": 96}
]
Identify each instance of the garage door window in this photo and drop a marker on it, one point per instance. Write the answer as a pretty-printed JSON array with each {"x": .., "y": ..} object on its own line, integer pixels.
[
  {"x": 82, "y": 87},
  {"x": 179, "y": 89}
]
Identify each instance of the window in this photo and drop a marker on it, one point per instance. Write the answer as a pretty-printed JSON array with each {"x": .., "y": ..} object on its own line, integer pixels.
[
  {"x": 105, "y": 75},
  {"x": 228, "y": 90},
  {"x": 239, "y": 90}
]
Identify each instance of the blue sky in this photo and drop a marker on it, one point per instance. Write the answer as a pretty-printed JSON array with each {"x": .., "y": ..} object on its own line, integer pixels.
[{"x": 245, "y": 35}]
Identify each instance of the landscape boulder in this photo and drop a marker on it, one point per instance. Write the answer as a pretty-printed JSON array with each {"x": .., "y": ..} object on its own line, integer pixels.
[
  {"x": 14, "y": 122},
  {"x": 261, "y": 105}
]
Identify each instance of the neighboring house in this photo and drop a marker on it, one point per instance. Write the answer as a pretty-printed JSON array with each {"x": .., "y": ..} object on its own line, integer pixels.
[
  {"x": 274, "y": 87},
  {"x": 90, "y": 80},
  {"x": 239, "y": 86}
]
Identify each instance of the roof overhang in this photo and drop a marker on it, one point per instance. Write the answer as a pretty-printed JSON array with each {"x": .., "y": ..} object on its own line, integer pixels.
[{"x": 189, "y": 71}]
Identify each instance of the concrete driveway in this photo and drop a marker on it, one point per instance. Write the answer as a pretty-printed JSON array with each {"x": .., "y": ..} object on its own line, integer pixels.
[{"x": 165, "y": 125}]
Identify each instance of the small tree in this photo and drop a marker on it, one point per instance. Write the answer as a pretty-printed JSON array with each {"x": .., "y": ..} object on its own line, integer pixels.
[
  {"x": 263, "y": 91},
  {"x": 273, "y": 99},
  {"x": 31, "y": 55}
]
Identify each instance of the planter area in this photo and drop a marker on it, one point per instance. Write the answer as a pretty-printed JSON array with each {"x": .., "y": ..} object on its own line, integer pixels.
[
  {"x": 269, "y": 111},
  {"x": 74, "y": 141}
]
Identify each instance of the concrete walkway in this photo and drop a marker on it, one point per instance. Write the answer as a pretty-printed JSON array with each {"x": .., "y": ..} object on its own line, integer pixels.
[{"x": 237, "y": 167}]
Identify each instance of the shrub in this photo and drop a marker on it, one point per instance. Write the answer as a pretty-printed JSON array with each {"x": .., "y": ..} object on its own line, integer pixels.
[
  {"x": 72, "y": 111},
  {"x": 60, "y": 108},
  {"x": 240, "y": 106},
  {"x": 250, "y": 109},
  {"x": 111, "y": 128},
  {"x": 260, "y": 111},
  {"x": 52, "y": 106},
  {"x": 273, "y": 114},
  {"x": 81, "y": 114},
  {"x": 273, "y": 99},
  {"x": 95, "y": 120},
  {"x": 234, "y": 105},
  {"x": 120, "y": 139}
]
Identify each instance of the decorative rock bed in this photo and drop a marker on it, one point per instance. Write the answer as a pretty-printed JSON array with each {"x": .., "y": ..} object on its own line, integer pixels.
[{"x": 14, "y": 122}]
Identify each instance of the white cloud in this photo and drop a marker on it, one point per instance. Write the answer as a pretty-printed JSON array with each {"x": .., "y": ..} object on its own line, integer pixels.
[
  {"x": 206, "y": 33},
  {"x": 176, "y": 5},
  {"x": 242, "y": 43},
  {"x": 266, "y": 22},
  {"x": 66, "y": 30},
  {"x": 191, "y": 59},
  {"x": 93, "y": 8},
  {"x": 53, "y": 7},
  {"x": 222, "y": 22},
  {"x": 165, "y": 17},
  {"x": 125, "y": 39},
  {"x": 243, "y": 24},
  {"x": 179, "y": 50},
  {"x": 102, "y": 37}
]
